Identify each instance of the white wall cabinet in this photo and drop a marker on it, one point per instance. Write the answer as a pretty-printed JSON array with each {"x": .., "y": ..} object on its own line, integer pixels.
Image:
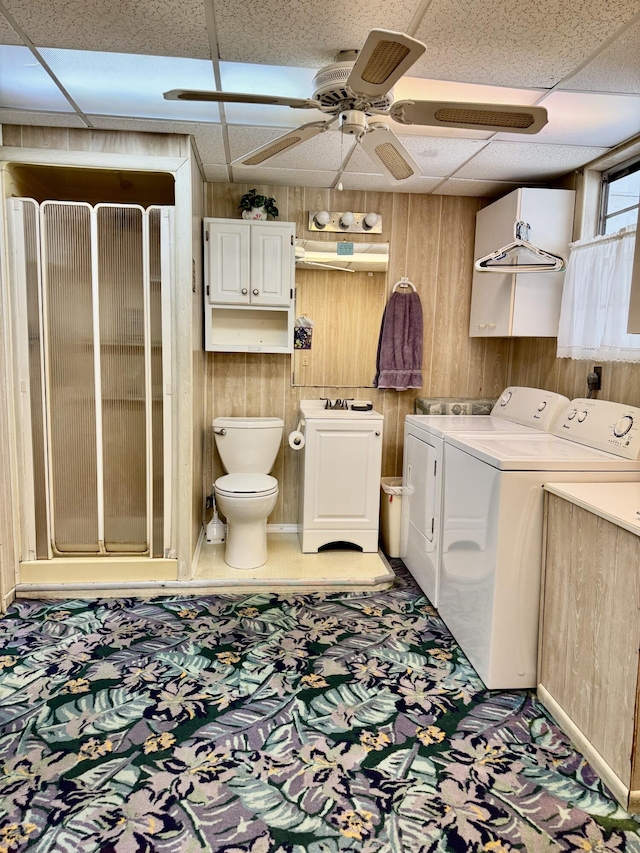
[
  {"x": 339, "y": 498},
  {"x": 521, "y": 304},
  {"x": 249, "y": 281}
]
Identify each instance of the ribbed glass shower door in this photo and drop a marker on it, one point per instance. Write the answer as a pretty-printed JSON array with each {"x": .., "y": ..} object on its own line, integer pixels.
[{"x": 93, "y": 288}]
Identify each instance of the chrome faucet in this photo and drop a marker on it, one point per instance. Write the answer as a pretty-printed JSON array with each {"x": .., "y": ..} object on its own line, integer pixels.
[{"x": 338, "y": 404}]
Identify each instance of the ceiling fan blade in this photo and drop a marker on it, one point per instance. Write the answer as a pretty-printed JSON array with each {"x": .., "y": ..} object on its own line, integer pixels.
[
  {"x": 384, "y": 58},
  {"x": 509, "y": 118},
  {"x": 389, "y": 155},
  {"x": 303, "y": 265},
  {"x": 240, "y": 98},
  {"x": 282, "y": 143}
]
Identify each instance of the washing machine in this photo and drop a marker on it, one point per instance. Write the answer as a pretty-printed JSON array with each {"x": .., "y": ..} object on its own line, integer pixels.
[
  {"x": 491, "y": 539},
  {"x": 518, "y": 409}
]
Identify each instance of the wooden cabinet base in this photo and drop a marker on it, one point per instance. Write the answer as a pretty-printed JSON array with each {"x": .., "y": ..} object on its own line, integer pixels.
[{"x": 629, "y": 800}]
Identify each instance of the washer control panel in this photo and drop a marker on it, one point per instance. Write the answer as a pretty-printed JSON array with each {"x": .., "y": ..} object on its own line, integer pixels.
[
  {"x": 614, "y": 427},
  {"x": 531, "y": 407}
]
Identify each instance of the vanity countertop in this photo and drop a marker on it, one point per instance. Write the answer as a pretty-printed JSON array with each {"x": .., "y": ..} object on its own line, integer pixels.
[
  {"x": 316, "y": 409},
  {"x": 615, "y": 502}
]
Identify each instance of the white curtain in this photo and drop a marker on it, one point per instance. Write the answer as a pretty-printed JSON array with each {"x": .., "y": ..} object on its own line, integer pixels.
[{"x": 595, "y": 300}]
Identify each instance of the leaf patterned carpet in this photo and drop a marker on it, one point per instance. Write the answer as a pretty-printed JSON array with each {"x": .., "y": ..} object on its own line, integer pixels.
[{"x": 271, "y": 724}]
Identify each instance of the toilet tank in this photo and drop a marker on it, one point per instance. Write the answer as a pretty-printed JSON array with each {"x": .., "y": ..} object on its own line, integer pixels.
[{"x": 249, "y": 445}]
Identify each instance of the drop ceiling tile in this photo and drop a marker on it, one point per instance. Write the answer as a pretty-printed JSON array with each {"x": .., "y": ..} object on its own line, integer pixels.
[
  {"x": 616, "y": 69},
  {"x": 146, "y": 26},
  {"x": 490, "y": 41},
  {"x": 268, "y": 80},
  {"x": 131, "y": 84},
  {"x": 7, "y": 34},
  {"x": 308, "y": 33},
  {"x": 584, "y": 118},
  {"x": 25, "y": 85},
  {"x": 486, "y": 189},
  {"x": 378, "y": 183},
  {"x": 208, "y": 139},
  {"x": 41, "y": 119},
  {"x": 282, "y": 177},
  {"x": 325, "y": 151},
  {"x": 435, "y": 156},
  {"x": 219, "y": 174},
  {"x": 522, "y": 161}
]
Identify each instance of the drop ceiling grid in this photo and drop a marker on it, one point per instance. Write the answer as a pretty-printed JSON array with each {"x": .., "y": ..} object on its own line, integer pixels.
[
  {"x": 508, "y": 44},
  {"x": 616, "y": 69},
  {"x": 304, "y": 33},
  {"x": 145, "y": 26}
]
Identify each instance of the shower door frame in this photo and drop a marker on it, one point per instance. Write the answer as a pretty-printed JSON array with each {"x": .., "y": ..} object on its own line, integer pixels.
[{"x": 21, "y": 355}]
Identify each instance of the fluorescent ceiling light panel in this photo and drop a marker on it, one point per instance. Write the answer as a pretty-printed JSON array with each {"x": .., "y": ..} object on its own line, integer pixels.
[
  {"x": 124, "y": 84},
  {"x": 25, "y": 85},
  {"x": 256, "y": 79},
  {"x": 421, "y": 89},
  {"x": 268, "y": 80},
  {"x": 586, "y": 118}
]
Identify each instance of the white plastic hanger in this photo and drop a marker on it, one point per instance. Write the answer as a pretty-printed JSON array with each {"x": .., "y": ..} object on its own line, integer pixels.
[
  {"x": 404, "y": 282},
  {"x": 549, "y": 262}
]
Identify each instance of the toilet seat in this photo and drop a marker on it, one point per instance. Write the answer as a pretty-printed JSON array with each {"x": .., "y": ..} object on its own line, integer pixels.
[{"x": 239, "y": 485}]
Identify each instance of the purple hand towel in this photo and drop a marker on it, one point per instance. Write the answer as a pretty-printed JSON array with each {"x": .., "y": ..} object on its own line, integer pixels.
[{"x": 399, "y": 361}]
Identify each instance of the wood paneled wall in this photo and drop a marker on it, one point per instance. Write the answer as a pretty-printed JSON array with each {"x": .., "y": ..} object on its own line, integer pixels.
[
  {"x": 431, "y": 241},
  {"x": 533, "y": 362}
]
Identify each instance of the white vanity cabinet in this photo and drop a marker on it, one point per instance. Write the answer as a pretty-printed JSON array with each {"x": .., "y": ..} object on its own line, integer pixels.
[
  {"x": 249, "y": 281},
  {"x": 521, "y": 304},
  {"x": 340, "y": 467}
]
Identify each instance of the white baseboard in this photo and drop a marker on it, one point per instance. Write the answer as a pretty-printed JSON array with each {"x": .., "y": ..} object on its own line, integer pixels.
[{"x": 282, "y": 528}]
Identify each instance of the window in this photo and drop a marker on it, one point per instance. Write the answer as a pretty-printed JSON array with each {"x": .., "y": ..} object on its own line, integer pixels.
[{"x": 620, "y": 196}]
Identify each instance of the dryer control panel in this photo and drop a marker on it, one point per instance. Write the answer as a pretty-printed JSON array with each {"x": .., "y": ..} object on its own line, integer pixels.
[{"x": 614, "y": 427}]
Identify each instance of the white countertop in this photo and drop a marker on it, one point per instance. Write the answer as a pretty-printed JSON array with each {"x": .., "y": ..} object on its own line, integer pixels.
[{"x": 616, "y": 502}]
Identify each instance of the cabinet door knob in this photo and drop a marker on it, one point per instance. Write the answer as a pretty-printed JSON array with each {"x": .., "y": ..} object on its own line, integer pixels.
[
  {"x": 377, "y": 432},
  {"x": 256, "y": 291},
  {"x": 244, "y": 291}
]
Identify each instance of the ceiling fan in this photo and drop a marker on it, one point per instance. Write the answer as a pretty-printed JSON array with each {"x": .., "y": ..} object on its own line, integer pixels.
[{"x": 359, "y": 85}]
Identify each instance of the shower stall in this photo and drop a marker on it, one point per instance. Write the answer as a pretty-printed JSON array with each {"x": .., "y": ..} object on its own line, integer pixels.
[{"x": 92, "y": 321}]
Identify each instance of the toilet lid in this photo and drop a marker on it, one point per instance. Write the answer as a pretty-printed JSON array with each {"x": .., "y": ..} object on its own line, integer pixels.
[{"x": 246, "y": 484}]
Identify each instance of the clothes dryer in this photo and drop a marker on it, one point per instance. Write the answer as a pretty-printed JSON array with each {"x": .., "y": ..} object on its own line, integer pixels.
[
  {"x": 491, "y": 542},
  {"x": 518, "y": 409}
]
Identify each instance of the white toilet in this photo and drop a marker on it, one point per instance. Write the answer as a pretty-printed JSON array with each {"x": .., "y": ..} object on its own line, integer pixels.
[{"x": 246, "y": 495}]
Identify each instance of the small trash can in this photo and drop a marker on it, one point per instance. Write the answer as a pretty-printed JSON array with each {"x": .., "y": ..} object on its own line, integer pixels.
[{"x": 390, "y": 514}]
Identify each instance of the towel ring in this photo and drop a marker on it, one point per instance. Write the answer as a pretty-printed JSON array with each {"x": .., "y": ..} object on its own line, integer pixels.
[{"x": 404, "y": 282}]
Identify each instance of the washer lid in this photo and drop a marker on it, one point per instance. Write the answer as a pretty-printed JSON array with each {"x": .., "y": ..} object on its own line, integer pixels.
[
  {"x": 246, "y": 484},
  {"x": 441, "y": 425},
  {"x": 539, "y": 452}
]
